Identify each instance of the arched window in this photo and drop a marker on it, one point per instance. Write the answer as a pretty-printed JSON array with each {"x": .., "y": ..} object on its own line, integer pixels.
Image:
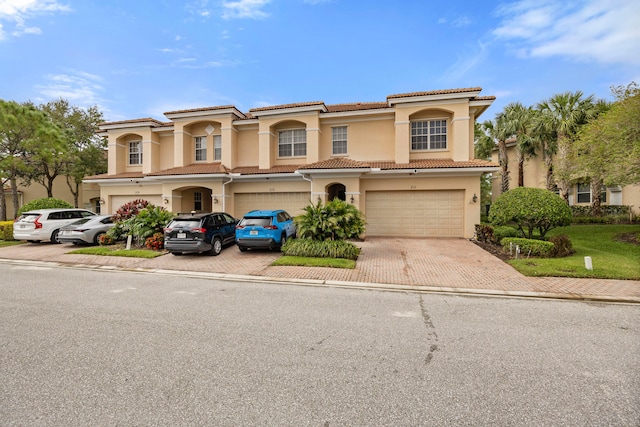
[{"x": 337, "y": 191}]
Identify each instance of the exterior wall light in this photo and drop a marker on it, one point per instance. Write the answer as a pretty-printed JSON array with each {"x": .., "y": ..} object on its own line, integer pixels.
[{"x": 474, "y": 198}]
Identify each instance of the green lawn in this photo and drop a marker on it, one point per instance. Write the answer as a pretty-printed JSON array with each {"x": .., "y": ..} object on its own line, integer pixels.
[
  {"x": 117, "y": 251},
  {"x": 315, "y": 262},
  {"x": 4, "y": 243},
  {"x": 611, "y": 258}
]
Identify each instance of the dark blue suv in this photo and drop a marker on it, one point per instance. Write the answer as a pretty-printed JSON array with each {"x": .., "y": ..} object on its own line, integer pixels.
[
  {"x": 264, "y": 229},
  {"x": 202, "y": 232}
]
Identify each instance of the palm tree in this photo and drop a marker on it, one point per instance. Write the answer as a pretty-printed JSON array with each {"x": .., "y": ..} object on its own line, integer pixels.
[
  {"x": 519, "y": 123},
  {"x": 497, "y": 131},
  {"x": 559, "y": 119}
]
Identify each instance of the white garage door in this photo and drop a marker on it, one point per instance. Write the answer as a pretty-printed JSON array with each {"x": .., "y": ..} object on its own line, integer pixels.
[
  {"x": 290, "y": 202},
  {"x": 415, "y": 213}
]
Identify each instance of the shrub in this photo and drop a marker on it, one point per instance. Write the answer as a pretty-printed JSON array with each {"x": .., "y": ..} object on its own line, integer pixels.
[
  {"x": 155, "y": 242},
  {"x": 130, "y": 209},
  {"x": 106, "y": 240},
  {"x": 337, "y": 220},
  {"x": 145, "y": 223},
  {"x": 528, "y": 247},
  {"x": 321, "y": 249},
  {"x": 501, "y": 232},
  {"x": 484, "y": 233},
  {"x": 45, "y": 203},
  {"x": 530, "y": 209},
  {"x": 6, "y": 230},
  {"x": 561, "y": 246}
]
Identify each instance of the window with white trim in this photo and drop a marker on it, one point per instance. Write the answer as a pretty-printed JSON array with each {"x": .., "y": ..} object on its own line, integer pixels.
[
  {"x": 135, "y": 152},
  {"x": 217, "y": 147},
  {"x": 201, "y": 148},
  {"x": 339, "y": 138},
  {"x": 583, "y": 193},
  {"x": 197, "y": 201},
  {"x": 429, "y": 135},
  {"x": 292, "y": 143}
]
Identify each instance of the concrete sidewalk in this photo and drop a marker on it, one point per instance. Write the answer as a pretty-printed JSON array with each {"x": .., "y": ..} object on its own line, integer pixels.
[{"x": 436, "y": 265}]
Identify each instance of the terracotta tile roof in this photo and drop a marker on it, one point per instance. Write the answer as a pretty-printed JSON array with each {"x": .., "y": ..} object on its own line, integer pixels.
[
  {"x": 432, "y": 164},
  {"x": 194, "y": 169},
  {"x": 356, "y": 106},
  {"x": 255, "y": 170},
  {"x": 435, "y": 92},
  {"x": 123, "y": 175},
  {"x": 284, "y": 106},
  {"x": 336, "y": 163},
  {"x": 143, "y": 120},
  {"x": 484, "y": 98},
  {"x": 197, "y": 110}
]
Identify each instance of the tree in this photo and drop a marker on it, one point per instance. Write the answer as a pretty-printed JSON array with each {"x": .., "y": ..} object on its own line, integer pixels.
[
  {"x": 23, "y": 131},
  {"x": 608, "y": 147},
  {"x": 561, "y": 116},
  {"x": 519, "y": 123},
  {"x": 530, "y": 209},
  {"x": 497, "y": 131},
  {"x": 82, "y": 152}
]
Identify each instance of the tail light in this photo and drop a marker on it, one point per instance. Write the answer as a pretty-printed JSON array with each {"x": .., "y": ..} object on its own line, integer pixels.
[
  {"x": 270, "y": 227},
  {"x": 167, "y": 230},
  {"x": 239, "y": 227},
  {"x": 36, "y": 223},
  {"x": 201, "y": 230}
]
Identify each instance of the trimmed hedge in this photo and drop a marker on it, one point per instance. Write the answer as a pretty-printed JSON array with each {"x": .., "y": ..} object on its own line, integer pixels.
[
  {"x": 321, "y": 249},
  {"x": 44, "y": 203},
  {"x": 6, "y": 230},
  {"x": 529, "y": 247}
]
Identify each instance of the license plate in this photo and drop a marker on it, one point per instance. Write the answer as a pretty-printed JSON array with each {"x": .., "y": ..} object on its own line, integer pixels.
[
  {"x": 253, "y": 232},
  {"x": 181, "y": 235}
]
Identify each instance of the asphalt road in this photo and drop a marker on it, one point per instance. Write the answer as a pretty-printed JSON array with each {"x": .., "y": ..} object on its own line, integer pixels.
[{"x": 81, "y": 347}]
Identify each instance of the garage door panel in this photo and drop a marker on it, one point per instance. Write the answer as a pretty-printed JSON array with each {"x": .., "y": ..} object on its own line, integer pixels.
[
  {"x": 293, "y": 202},
  {"x": 415, "y": 213}
]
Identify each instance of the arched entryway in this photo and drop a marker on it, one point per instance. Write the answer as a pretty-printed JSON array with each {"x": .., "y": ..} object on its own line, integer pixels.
[{"x": 336, "y": 191}]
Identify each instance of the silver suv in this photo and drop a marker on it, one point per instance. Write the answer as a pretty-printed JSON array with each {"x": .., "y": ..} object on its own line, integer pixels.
[{"x": 44, "y": 224}]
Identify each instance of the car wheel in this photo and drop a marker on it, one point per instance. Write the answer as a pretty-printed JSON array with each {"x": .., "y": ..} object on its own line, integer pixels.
[
  {"x": 216, "y": 246},
  {"x": 54, "y": 237},
  {"x": 283, "y": 240},
  {"x": 242, "y": 248},
  {"x": 96, "y": 239}
]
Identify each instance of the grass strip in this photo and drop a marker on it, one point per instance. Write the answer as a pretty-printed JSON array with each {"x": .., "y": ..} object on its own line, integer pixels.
[{"x": 315, "y": 262}]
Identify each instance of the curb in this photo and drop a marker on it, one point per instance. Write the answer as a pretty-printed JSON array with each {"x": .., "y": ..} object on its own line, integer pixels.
[{"x": 339, "y": 284}]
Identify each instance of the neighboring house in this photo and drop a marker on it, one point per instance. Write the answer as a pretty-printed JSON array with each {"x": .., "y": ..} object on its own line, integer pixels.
[
  {"x": 88, "y": 198},
  {"x": 406, "y": 163},
  {"x": 535, "y": 175}
]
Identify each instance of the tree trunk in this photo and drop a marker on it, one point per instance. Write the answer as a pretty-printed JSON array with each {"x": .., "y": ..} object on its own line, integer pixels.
[
  {"x": 75, "y": 190},
  {"x": 520, "y": 169},
  {"x": 504, "y": 166},
  {"x": 14, "y": 196},
  {"x": 596, "y": 193},
  {"x": 550, "y": 181},
  {"x": 3, "y": 202}
]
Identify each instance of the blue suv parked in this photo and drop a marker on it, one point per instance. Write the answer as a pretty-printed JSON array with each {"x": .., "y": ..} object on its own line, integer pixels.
[{"x": 264, "y": 229}]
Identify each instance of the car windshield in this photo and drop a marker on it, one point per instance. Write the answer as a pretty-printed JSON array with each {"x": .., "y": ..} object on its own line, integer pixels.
[
  {"x": 80, "y": 221},
  {"x": 184, "y": 223},
  {"x": 260, "y": 222}
]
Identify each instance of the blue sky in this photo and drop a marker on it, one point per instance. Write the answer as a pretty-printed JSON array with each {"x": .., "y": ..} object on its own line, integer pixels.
[{"x": 141, "y": 58}]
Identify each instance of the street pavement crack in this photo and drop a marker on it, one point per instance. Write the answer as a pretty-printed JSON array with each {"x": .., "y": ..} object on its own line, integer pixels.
[{"x": 432, "y": 336}]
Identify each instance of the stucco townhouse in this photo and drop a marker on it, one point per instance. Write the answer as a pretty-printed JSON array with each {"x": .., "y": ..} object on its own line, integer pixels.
[{"x": 407, "y": 163}]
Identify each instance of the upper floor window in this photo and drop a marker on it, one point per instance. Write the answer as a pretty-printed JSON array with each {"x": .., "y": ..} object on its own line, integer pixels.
[
  {"x": 201, "y": 148},
  {"x": 429, "y": 135},
  {"x": 292, "y": 143},
  {"x": 135, "y": 152},
  {"x": 217, "y": 147},
  {"x": 339, "y": 137}
]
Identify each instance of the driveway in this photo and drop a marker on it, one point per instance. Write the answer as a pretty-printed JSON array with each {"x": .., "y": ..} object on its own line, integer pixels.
[{"x": 447, "y": 264}]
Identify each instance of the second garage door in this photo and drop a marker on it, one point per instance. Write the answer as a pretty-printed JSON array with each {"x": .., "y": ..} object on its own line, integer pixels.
[
  {"x": 415, "y": 213},
  {"x": 290, "y": 202}
]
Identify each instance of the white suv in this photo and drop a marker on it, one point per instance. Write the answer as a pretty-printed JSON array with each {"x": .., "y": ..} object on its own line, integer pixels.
[{"x": 44, "y": 224}]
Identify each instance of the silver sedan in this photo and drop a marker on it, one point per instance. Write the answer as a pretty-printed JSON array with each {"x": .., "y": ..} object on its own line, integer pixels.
[{"x": 86, "y": 230}]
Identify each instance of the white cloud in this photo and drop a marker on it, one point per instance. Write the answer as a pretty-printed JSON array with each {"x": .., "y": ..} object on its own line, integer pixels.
[
  {"x": 239, "y": 9},
  {"x": 17, "y": 12},
  {"x": 79, "y": 87},
  {"x": 592, "y": 30}
]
